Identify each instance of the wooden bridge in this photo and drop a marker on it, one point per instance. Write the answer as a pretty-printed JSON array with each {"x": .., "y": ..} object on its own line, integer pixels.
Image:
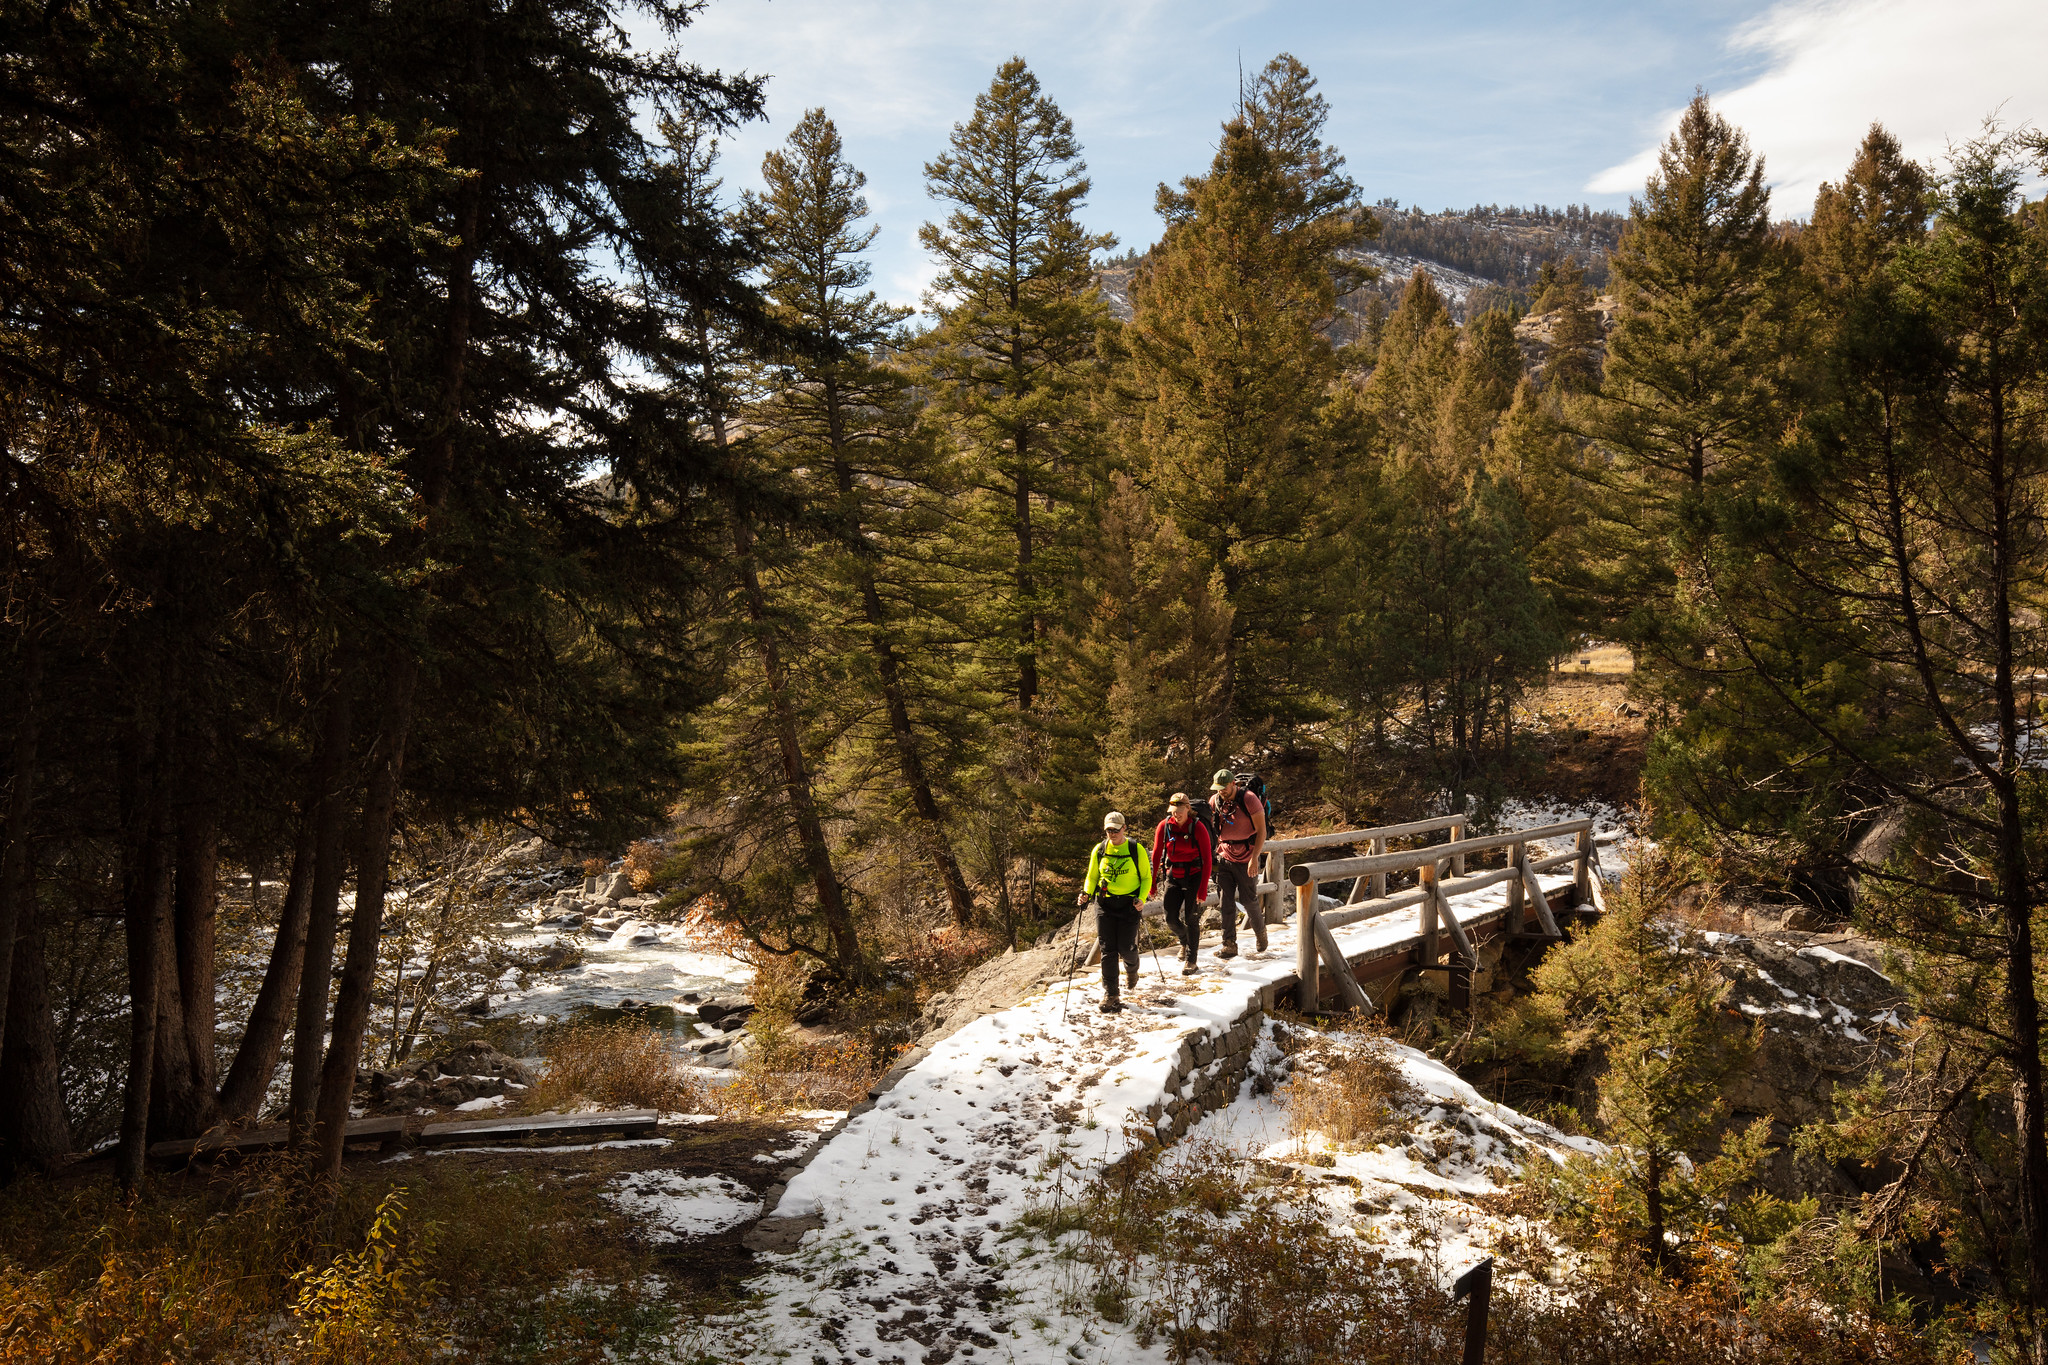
[{"x": 1458, "y": 906}]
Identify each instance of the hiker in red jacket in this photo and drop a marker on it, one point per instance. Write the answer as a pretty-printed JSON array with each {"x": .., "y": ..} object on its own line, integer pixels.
[{"x": 1182, "y": 858}]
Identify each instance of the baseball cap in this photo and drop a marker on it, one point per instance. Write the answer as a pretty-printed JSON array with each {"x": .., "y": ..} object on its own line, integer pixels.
[
  {"x": 1113, "y": 820},
  {"x": 1224, "y": 777},
  {"x": 1179, "y": 799}
]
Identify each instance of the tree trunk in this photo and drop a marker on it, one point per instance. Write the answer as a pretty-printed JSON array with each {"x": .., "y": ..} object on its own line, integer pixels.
[
  {"x": 146, "y": 910},
  {"x": 1653, "y": 1205},
  {"x": 255, "y": 1064},
  {"x": 329, "y": 805},
  {"x": 796, "y": 776},
  {"x": 196, "y": 899},
  {"x": 36, "y": 1130},
  {"x": 15, "y": 885},
  {"x": 174, "y": 1107},
  {"x": 1027, "y": 589},
  {"x": 359, "y": 967},
  {"x": 915, "y": 780}
]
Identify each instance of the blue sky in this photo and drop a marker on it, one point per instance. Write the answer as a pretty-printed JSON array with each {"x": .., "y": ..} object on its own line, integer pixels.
[{"x": 1442, "y": 105}]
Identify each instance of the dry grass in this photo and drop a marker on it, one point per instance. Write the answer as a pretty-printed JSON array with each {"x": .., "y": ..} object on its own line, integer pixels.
[
  {"x": 788, "y": 1073},
  {"x": 612, "y": 1066},
  {"x": 1348, "y": 1095}
]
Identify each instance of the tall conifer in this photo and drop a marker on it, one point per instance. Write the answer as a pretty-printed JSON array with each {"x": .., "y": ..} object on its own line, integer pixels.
[
  {"x": 1011, "y": 360},
  {"x": 838, "y": 407}
]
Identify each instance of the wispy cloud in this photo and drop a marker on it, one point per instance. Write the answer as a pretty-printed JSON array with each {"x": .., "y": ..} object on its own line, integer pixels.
[{"x": 1930, "y": 73}]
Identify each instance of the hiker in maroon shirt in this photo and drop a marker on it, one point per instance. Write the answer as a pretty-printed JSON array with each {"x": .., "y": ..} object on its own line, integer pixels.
[
  {"x": 1181, "y": 859},
  {"x": 1241, "y": 836}
]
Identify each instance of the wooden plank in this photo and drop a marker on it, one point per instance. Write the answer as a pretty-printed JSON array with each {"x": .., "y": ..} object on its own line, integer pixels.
[
  {"x": 1541, "y": 901},
  {"x": 540, "y": 1126},
  {"x": 270, "y": 1137},
  {"x": 1426, "y": 920},
  {"x": 1599, "y": 894},
  {"x": 1518, "y": 859},
  {"x": 1415, "y": 858},
  {"x": 1301, "y": 843},
  {"x": 1585, "y": 849},
  {"x": 1450, "y": 922},
  {"x": 1365, "y": 910},
  {"x": 1305, "y": 946},
  {"x": 1333, "y": 958}
]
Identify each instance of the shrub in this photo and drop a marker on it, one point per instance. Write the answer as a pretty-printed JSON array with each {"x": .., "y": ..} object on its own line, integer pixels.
[
  {"x": 370, "y": 1306},
  {"x": 612, "y": 1066}
]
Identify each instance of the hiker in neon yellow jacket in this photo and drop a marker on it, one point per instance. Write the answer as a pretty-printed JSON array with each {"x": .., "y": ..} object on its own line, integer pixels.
[{"x": 1120, "y": 880}]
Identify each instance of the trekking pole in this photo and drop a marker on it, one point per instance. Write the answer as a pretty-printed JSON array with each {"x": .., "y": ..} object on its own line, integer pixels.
[{"x": 1073, "y": 960}]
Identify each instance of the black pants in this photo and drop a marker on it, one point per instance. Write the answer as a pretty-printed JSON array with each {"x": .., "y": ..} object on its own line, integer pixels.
[
  {"x": 1183, "y": 911},
  {"x": 1237, "y": 882},
  {"x": 1116, "y": 924}
]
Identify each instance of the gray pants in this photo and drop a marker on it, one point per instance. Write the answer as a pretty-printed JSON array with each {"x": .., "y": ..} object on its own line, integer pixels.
[{"x": 1237, "y": 883}]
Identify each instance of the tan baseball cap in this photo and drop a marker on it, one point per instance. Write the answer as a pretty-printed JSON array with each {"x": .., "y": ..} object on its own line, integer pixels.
[
  {"x": 1113, "y": 820},
  {"x": 1178, "y": 799}
]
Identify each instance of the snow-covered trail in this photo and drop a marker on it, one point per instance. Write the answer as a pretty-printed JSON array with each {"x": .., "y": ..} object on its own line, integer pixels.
[{"x": 906, "y": 1204}]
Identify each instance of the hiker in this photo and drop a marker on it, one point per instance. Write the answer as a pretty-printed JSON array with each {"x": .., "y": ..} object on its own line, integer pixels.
[
  {"x": 1182, "y": 858},
  {"x": 1240, "y": 838},
  {"x": 1120, "y": 880}
]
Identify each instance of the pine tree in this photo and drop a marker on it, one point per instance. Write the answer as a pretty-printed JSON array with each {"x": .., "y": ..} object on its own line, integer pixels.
[
  {"x": 1226, "y": 369},
  {"x": 1010, "y": 362},
  {"x": 1691, "y": 395},
  {"x": 837, "y": 406},
  {"x": 1875, "y": 611},
  {"x": 1641, "y": 990},
  {"x": 1444, "y": 622},
  {"x": 1010, "y": 369}
]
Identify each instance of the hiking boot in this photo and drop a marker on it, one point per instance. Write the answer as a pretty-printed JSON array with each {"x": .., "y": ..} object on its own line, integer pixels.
[
  {"x": 1259, "y": 936},
  {"x": 1131, "y": 972},
  {"x": 1229, "y": 949},
  {"x": 1112, "y": 1005},
  {"x": 1188, "y": 967}
]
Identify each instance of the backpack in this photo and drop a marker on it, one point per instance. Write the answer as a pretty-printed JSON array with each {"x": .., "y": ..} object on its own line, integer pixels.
[
  {"x": 1256, "y": 785},
  {"x": 1171, "y": 841}
]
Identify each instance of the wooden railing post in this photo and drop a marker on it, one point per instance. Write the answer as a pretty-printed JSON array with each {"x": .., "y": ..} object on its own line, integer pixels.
[
  {"x": 1426, "y": 911},
  {"x": 1379, "y": 879},
  {"x": 1458, "y": 859},
  {"x": 1582, "y": 869},
  {"x": 1518, "y": 858},
  {"x": 1273, "y": 903},
  {"x": 1305, "y": 946}
]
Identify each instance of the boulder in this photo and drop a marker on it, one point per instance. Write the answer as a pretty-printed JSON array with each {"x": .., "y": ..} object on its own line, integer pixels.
[
  {"x": 616, "y": 887},
  {"x": 473, "y": 1059},
  {"x": 556, "y": 957},
  {"x": 719, "y": 1006}
]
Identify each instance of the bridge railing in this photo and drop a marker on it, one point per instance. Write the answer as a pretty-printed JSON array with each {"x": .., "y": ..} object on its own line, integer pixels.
[
  {"x": 1433, "y": 893},
  {"x": 1271, "y": 887}
]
